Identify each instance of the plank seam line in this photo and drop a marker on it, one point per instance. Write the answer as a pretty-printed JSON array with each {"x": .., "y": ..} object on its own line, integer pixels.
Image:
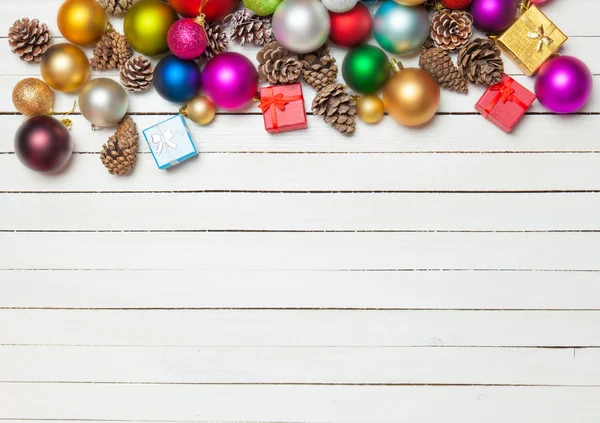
[
  {"x": 340, "y": 153},
  {"x": 341, "y": 192},
  {"x": 399, "y": 309},
  {"x": 46, "y": 269},
  {"x": 298, "y": 231},
  {"x": 456, "y": 346}
]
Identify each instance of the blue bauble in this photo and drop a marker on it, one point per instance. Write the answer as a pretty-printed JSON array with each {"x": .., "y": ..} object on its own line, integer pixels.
[
  {"x": 401, "y": 29},
  {"x": 177, "y": 80}
]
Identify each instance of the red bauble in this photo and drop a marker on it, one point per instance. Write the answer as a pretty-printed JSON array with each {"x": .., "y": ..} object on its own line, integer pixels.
[
  {"x": 351, "y": 28},
  {"x": 456, "y": 4},
  {"x": 213, "y": 9}
]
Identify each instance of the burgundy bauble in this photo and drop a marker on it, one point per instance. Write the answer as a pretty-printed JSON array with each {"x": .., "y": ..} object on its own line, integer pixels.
[
  {"x": 493, "y": 16},
  {"x": 351, "y": 28},
  {"x": 43, "y": 144},
  {"x": 213, "y": 9},
  {"x": 456, "y": 4},
  {"x": 187, "y": 39}
]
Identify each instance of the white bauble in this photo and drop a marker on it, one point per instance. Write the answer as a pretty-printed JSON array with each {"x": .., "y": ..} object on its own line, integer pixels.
[
  {"x": 339, "y": 6},
  {"x": 301, "y": 26}
]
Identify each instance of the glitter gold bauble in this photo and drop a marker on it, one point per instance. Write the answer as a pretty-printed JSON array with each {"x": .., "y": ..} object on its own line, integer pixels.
[
  {"x": 370, "y": 109},
  {"x": 82, "y": 22},
  {"x": 65, "y": 67},
  {"x": 146, "y": 26},
  {"x": 33, "y": 97},
  {"x": 200, "y": 110}
]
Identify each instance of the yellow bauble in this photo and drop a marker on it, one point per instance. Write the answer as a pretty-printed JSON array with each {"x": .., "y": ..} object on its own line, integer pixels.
[
  {"x": 200, "y": 110},
  {"x": 65, "y": 67},
  {"x": 370, "y": 109},
  {"x": 33, "y": 97},
  {"x": 146, "y": 26},
  {"x": 409, "y": 2},
  {"x": 411, "y": 97},
  {"x": 82, "y": 22}
]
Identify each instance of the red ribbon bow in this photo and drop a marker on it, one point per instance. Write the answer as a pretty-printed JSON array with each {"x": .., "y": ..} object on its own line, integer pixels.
[
  {"x": 275, "y": 102},
  {"x": 505, "y": 93}
]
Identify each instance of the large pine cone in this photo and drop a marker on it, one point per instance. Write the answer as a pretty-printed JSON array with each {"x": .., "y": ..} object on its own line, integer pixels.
[
  {"x": 439, "y": 64},
  {"x": 117, "y": 7},
  {"x": 217, "y": 40},
  {"x": 277, "y": 65},
  {"x": 137, "y": 74},
  {"x": 111, "y": 52},
  {"x": 318, "y": 68},
  {"x": 451, "y": 29},
  {"x": 120, "y": 152},
  {"x": 247, "y": 28},
  {"x": 480, "y": 62},
  {"x": 337, "y": 107},
  {"x": 29, "y": 39}
]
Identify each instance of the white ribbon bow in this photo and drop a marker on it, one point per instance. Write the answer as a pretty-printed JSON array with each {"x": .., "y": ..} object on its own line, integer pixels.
[{"x": 163, "y": 140}]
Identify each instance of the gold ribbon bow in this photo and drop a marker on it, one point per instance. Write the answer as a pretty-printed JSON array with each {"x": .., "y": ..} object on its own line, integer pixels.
[{"x": 540, "y": 35}]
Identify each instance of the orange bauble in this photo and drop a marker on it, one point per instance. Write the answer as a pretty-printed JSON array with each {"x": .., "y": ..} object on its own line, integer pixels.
[{"x": 82, "y": 22}]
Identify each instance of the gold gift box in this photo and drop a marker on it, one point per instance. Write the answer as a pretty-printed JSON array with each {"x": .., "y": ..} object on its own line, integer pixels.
[{"x": 531, "y": 40}]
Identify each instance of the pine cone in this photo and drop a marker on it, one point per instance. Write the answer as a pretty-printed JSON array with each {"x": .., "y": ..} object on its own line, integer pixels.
[
  {"x": 117, "y": 7},
  {"x": 120, "y": 152},
  {"x": 29, "y": 39},
  {"x": 217, "y": 40},
  {"x": 111, "y": 52},
  {"x": 479, "y": 61},
  {"x": 277, "y": 65},
  {"x": 451, "y": 29},
  {"x": 248, "y": 28},
  {"x": 137, "y": 74},
  {"x": 318, "y": 68},
  {"x": 337, "y": 107},
  {"x": 439, "y": 64}
]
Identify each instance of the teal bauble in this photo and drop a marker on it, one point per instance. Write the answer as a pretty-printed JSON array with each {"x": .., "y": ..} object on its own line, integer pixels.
[
  {"x": 262, "y": 7},
  {"x": 366, "y": 69},
  {"x": 401, "y": 29}
]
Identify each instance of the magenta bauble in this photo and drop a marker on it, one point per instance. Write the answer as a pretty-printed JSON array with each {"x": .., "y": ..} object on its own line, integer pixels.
[
  {"x": 43, "y": 144},
  {"x": 187, "y": 39},
  {"x": 230, "y": 80},
  {"x": 493, "y": 16}
]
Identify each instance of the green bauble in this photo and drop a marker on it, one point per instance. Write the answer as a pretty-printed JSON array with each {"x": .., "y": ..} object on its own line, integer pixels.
[
  {"x": 146, "y": 26},
  {"x": 262, "y": 7},
  {"x": 366, "y": 69}
]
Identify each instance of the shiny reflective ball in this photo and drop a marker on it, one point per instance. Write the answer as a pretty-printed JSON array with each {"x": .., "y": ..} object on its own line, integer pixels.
[
  {"x": 82, "y": 22},
  {"x": 301, "y": 26},
  {"x": 103, "y": 102},
  {"x": 146, "y": 26},
  {"x": 401, "y": 29},
  {"x": 43, "y": 144},
  {"x": 177, "y": 80},
  {"x": 65, "y": 67}
]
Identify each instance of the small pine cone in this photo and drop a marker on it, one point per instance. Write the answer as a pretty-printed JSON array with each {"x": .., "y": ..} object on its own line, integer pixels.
[
  {"x": 111, "y": 52},
  {"x": 277, "y": 65},
  {"x": 137, "y": 74},
  {"x": 480, "y": 62},
  {"x": 217, "y": 40},
  {"x": 117, "y": 7},
  {"x": 451, "y": 29},
  {"x": 319, "y": 69},
  {"x": 120, "y": 152},
  {"x": 29, "y": 39},
  {"x": 337, "y": 107},
  {"x": 247, "y": 28},
  {"x": 439, "y": 64}
]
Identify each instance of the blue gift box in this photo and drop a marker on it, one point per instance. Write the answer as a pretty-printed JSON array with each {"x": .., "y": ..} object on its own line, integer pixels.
[{"x": 170, "y": 142}]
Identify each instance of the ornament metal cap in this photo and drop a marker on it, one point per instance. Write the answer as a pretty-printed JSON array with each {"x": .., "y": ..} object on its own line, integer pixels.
[{"x": 396, "y": 66}]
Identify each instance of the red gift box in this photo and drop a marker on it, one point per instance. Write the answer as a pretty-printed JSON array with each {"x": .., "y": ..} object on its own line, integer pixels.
[
  {"x": 504, "y": 104},
  {"x": 283, "y": 108}
]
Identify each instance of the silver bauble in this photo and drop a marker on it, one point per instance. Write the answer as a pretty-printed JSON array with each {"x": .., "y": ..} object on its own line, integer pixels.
[
  {"x": 339, "y": 6},
  {"x": 301, "y": 26},
  {"x": 401, "y": 29},
  {"x": 103, "y": 102}
]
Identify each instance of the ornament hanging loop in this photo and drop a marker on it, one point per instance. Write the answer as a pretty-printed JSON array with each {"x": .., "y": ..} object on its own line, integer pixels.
[
  {"x": 65, "y": 120},
  {"x": 524, "y": 5}
]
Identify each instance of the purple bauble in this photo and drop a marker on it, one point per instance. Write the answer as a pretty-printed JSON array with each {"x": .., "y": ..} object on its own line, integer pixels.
[
  {"x": 230, "y": 80},
  {"x": 564, "y": 84},
  {"x": 43, "y": 144},
  {"x": 187, "y": 39},
  {"x": 493, "y": 16}
]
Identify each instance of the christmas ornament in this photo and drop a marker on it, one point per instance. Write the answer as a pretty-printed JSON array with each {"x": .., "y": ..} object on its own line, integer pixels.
[
  {"x": 564, "y": 84},
  {"x": 456, "y": 4},
  {"x": 277, "y": 65},
  {"x": 187, "y": 38},
  {"x": 370, "y": 109},
  {"x": 103, "y": 102},
  {"x": 117, "y": 7},
  {"x": 339, "y": 6},
  {"x": 170, "y": 142},
  {"x": 33, "y": 97},
  {"x": 146, "y": 26},
  {"x": 411, "y": 96},
  {"x": 82, "y": 22},
  {"x": 531, "y": 40},
  {"x": 137, "y": 74},
  {"x": 451, "y": 29},
  {"x": 480, "y": 62},
  {"x": 504, "y": 104},
  {"x": 405, "y": 38},
  {"x": 366, "y": 69},
  {"x": 217, "y": 40},
  {"x": 493, "y": 16},
  {"x": 177, "y": 80},
  {"x": 111, "y": 52},
  {"x": 200, "y": 110},
  {"x": 65, "y": 67},
  {"x": 301, "y": 26},
  {"x": 230, "y": 80},
  {"x": 119, "y": 154},
  {"x": 409, "y": 2},
  {"x": 262, "y": 7},
  {"x": 43, "y": 144},
  {"x": 319, "y": 68},
  {"x": 247, "y": 28},
  {"x": 337, "y": 107},
  {"x": 351, "y": 28},
  {"x": 438, "y": 63},
  {"x": 283, "y": 108},
  {"x": 29, "y": 39},
  {"x": 213, "y": 10}
]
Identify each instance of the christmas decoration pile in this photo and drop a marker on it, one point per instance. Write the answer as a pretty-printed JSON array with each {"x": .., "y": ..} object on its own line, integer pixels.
[{"x": 201, "y": 75}]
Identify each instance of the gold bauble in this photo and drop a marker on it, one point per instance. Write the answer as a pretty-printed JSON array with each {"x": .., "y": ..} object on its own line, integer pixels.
[
  {"x": 146, "y": 26},
  {"x": 65, "y": 67},
  {"x": 33, "y": 97},
  {"x": 411, "y": 97},
  {"x": 200, "y": 110},
  {"x": 370, "y": 109},
  {"x": 82, "y": 22},
  {"x": 410, "y": 2}
]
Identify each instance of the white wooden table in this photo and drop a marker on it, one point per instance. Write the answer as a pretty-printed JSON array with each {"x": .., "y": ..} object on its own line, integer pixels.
[{"x": 449, "y": 273}]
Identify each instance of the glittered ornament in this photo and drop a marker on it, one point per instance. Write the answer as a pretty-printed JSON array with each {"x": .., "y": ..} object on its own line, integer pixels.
[
  {"x": 351, "y": 28},
  {"x": 187, "y": 38},
  {"x": 177, "y": 80},
  {"x": 301, "y": 26},
  {"x": 493, "y": 16},
  {"x": 370, "y": 109},
  {"x": 366, "y": 69},
  {"x": 200, "y": 110},
  {"x": 262, "y": 7},
  {"x": 65, "y": 67},
  {"x": 82, "y": 22},
  {"x": 401, "y": 29},
  {"x": 103, "y": 102},
  {"x": 339, "y": 6},
  {"x": 146, "y": 26},
  {"x": 213, "y": 10},
  {"x": 230, "y": 80},
  {"x": 33, "y": 97},
  {"x": 43, "y": 144}
]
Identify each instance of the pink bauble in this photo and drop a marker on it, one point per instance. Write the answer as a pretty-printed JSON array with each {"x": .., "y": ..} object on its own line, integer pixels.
[
  {"x": 187, "y": 39},
  {"x": 538, "y": 1},
  {"x": 230, "y": 80}
]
